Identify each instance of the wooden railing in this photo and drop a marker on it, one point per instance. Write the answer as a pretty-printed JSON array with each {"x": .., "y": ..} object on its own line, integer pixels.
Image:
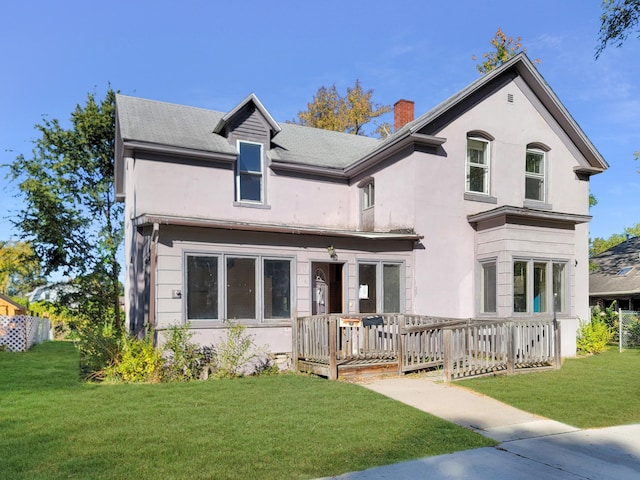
[{"x": 325, "y": 343}]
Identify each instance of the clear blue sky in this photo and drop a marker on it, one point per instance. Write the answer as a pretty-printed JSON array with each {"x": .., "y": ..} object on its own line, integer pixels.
[{"x": 212, "y": 54}]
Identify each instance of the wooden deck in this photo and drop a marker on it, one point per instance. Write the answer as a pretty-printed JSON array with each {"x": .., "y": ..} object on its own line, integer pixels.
[{"x": 336, "y": 346}]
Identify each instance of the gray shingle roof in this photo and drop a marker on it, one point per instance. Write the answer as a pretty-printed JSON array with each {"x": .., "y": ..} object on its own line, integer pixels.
[
  {"x": 606, "y": 279},
  {"x": 160, "y": 123}
]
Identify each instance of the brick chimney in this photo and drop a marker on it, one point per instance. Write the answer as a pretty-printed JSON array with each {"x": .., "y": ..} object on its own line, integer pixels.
[{"x": 402, "y": 113}]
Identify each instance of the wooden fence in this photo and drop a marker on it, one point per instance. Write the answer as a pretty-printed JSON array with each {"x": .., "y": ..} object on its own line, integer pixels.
[
  {"x": 19, "y": 333},
  {"x": 329, "y": 345}
]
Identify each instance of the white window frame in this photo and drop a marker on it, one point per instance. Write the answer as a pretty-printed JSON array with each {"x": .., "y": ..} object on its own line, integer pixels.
[
  {"x": 380, "y": 264},
  {"x": 259, "y": 287},
  {"x": 486, "y": 166},
  {"x": 563, "y": 307},
  {"x": 368, "y": 195},
  {"x": 539, "y": 177},
  {"x": 252, "y": 173},
  {"x": 482, "y": 306}
]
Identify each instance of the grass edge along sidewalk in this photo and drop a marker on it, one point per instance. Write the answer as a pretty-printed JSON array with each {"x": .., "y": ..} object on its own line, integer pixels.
[
  {"x": 283, "y": 426},
  {"x": 587, "y": 392}
]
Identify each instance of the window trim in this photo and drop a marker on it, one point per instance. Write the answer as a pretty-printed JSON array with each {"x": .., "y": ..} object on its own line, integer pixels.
[
  {"x": 534, "y": 149},
  {"x": 260, "y": 174},
  {"x": 222, "y": 320},
  {"x": 380, "y": 283},
  {"x": 368, "y": 192},
  {"x": 487, "y": 167},
  {"x": 481, "y": 283},
  {"x": 549, "y": 289}
]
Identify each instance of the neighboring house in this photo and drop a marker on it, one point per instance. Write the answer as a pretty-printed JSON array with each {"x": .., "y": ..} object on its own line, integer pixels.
[
  {"x": 616, "y": 276},
  {"x": 50, "y": 292},
  {"x": 9, "y": 307},
  {"x": 478, "y": 208}
]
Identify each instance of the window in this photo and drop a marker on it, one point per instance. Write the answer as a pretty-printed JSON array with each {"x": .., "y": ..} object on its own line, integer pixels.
[
  {"x": 237, "y": 288},
  {"x": 532, "y": 289},
  {"x": 249, "y": 174},
  {"x": 488, "y": 282},
  {"x": 379, "y": 287},
  {"x": 477, "y": 165},
  {"x": 534, "y": 175},
  {"x": 277, "y": 289},
  {"x": 368, "y": 195},
  {"x": 202, "y": 287}
]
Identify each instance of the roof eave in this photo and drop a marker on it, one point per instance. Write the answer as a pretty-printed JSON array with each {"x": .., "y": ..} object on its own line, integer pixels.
[
  {"x": 130, "y": 146},
  {"x": 519, "y": 212}
]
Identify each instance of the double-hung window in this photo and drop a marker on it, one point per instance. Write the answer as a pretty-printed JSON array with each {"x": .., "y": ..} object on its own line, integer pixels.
[
  {"x": 368, "y": 195},
  {"x": 534, "y": 186},
  {"x": 250, "y": 173},
  {"x": 539, "y": 286},
  {"x": 252, "y": 288},
  {"x": 478, "y": 166},
  {"x": 379, "y": 287}
]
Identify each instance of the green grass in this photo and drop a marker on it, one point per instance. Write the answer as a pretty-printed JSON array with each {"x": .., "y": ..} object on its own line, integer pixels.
[
  {"x": 587, "y": 392},
  {"x": 53, "y": 426}
]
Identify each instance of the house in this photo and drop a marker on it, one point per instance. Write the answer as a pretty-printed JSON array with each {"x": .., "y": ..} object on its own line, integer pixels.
[
  {"x": 10, "y": 308},
  {"x": 615, "y": 276},
  {"x": 476, "y": 209}
]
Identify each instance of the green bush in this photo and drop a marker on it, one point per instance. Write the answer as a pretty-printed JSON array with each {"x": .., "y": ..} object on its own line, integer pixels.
[
  {"x": 184, "y": 361},
  {"x": 236, "y": 353},
  {"x": 594, "y": 336},
  {"x": 99, "y": 347},
  {"x": 138, "y": 361}
]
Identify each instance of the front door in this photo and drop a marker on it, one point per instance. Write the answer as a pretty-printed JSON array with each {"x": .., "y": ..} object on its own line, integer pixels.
[{"x": 327, "y": 293}]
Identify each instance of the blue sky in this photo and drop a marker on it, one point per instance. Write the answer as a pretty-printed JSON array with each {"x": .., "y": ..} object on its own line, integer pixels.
[{"x": 212, "y": 54}]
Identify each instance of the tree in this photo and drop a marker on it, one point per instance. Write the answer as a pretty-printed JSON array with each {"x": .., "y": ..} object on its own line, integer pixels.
[
  {"x": 20, "y": 270},
  {"x": 505, "y": 48},
  {"x": 618, "y": 18},
  {"x": 349, "y": 113},
  {"x": 599, "y": 244},
  {"x": 70, "y": 216}
]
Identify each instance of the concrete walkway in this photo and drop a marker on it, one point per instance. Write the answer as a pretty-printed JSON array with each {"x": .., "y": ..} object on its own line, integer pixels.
[{"x": 531, "y": 447}]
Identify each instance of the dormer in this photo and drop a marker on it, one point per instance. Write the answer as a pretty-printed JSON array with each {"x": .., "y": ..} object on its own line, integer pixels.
[{"x": 249, "y": 120}]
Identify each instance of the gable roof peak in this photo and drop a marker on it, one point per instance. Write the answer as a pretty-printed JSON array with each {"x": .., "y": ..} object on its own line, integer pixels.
[{"x": 251, "y": 98}]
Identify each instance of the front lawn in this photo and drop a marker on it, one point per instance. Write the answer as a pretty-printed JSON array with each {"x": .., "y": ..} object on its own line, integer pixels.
[
  {"x": 279, "y": 427},
  {"x": 587, "y": 392}
]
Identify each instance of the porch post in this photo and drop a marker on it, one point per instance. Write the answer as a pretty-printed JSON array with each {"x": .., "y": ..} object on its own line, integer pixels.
[
  {"x": 448, "y": 360},
  {"x": 333, "y": 361},
  {"x": 511, "y": 347}
]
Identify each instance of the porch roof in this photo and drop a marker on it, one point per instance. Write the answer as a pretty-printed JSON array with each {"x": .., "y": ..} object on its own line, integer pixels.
[{"x": 147, "y": 219}]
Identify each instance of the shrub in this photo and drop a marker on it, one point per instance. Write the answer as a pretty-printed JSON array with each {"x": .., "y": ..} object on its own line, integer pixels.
[
  {"x": 236, "y": 353},
  {"x": 138, "y": 361},
  {"x": 98, "y": 344},
  {"x": 185, "y": 360},
  {"x": 594, "y": 336}
]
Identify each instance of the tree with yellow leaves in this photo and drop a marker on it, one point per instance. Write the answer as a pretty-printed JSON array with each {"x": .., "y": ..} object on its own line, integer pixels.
[
  {"x": 505, "y": 48},
  {"x": 19, "y": 268},
  {"x": 349, "y": 113}
]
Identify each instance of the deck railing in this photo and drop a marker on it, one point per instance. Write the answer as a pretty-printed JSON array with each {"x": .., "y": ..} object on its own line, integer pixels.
[{"x": 323, "y": 344}]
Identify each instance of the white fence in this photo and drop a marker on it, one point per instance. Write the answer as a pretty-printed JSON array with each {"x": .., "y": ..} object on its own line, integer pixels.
[{"x": 20, "y": 332}]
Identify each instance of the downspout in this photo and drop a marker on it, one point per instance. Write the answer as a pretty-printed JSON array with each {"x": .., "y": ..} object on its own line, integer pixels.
[{"x": 153, "y": 249}]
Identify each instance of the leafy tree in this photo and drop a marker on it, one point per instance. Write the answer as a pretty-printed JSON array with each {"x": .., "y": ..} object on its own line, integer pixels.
[
  {"x": 19, "y": 268},
  {"x": 599, "y": 244},
  {"x": 505, "y": 48},
  {"x": 70, "y": 216},
  {"x": 349, "y": 113},
  {"x": 617, "y": 19}
]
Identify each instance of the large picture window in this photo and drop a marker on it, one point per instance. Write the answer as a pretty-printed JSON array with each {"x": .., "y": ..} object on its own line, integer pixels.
[
  {"x": 249, "y": 173},
  {"x": 532, "y": 290},
  {"x": 237, "y": 288},
  {"x": 379, "y": 287},
  {"x": 478, "y": 179}
]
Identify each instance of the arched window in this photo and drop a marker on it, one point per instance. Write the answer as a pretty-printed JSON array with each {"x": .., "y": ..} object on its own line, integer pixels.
[
  {"x": 478, "y": 164},
  {"x": 535, "y": 172}
]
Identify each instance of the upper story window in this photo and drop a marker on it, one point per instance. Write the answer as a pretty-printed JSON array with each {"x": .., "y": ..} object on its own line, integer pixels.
[
  {"x": 250, "y": 173},
  {"x": 535, "y": 175},
  {"x": 368, "y": 195},
  {"x": 478, "y": 165}
]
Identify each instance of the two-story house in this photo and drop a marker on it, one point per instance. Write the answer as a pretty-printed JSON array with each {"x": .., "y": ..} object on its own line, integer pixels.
[{"x": 478, "y": 208}]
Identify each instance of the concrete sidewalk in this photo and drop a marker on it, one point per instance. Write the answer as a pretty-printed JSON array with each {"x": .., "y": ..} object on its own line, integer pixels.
[{"x": 531, "y": 447}]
